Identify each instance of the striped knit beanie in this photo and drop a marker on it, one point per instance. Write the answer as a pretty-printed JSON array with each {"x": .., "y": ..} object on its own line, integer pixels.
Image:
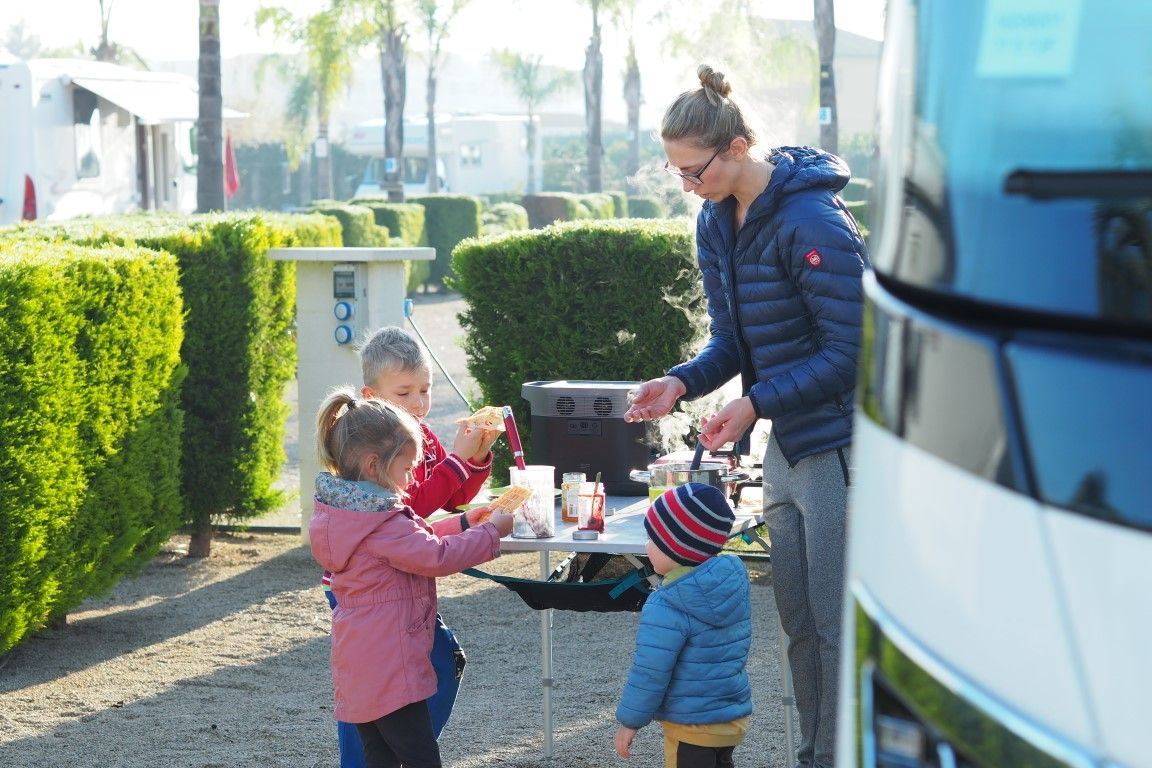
[{"x": 690, "y": 522}]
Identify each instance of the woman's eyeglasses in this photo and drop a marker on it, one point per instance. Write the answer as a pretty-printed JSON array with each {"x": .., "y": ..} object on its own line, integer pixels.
[{"x": 693, "y": 178}]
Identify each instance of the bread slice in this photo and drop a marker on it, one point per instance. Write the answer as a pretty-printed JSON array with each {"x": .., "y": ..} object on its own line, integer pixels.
[
  {"x": 488, "y": 417},
  {"x": 511, "y": 499}
]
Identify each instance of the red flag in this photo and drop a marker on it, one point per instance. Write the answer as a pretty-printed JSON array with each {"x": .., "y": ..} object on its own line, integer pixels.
[{"x": 231, "y": 175}]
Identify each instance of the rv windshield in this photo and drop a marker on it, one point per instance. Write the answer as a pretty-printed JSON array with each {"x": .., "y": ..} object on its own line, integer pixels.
[{"x": 986, "y": 166}]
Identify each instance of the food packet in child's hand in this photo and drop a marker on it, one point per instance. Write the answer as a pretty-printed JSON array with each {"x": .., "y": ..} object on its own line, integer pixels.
[{"x": 488, "y": 417}]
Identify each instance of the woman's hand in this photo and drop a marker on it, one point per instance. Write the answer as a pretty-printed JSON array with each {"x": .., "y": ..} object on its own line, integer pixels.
[
  {"x": 728, "y": 425},
  {"x": 655, "y": 398},
  {"x": 624, "y": 736}
]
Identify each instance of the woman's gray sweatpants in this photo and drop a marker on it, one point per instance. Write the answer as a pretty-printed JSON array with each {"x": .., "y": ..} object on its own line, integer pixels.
[{"x": 806, "y": 511}]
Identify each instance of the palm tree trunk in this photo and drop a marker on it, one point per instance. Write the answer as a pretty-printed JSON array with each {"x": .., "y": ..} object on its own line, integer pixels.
[
  {"x": 209, "y": 126},
  {"x": 324, "y": 155},
  {"x": 530, "y": 142},
  {"x": 393, "y": 69},
  {"x": 825, "y": 21},
  {"x": 633, "y": 99},
  {"x": 433, "y": 172},
  {"x": 593, "y": 95}
]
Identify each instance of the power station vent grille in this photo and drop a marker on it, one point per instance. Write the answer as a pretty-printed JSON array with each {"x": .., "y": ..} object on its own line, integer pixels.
[{"x": 579, "y": 399}]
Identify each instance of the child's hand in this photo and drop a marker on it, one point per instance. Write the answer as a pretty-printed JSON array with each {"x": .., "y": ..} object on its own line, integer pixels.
[
  {"x": 467, "y": 441},
  {"x": 488, "y": 438},
  {"x": 624, "y": 736},
  {"x": 502, "y": 521},
  {"x": 477, "y": 516}
]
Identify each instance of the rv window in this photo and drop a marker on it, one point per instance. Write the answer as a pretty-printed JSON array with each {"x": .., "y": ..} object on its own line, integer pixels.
[
  {"x": 86, "y": 129},
  {"x": 415, "y": 170},
  {"x": 470, "y": 155}
]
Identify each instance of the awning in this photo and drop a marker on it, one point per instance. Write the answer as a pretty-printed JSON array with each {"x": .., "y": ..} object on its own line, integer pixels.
[{"x": 161, "y": 98}]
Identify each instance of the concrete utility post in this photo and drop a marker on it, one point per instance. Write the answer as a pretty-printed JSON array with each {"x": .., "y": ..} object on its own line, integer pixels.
[{"x": 341, "y": 295}]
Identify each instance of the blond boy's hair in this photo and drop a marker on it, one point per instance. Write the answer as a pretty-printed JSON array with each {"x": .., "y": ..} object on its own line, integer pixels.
[{"x": 391, "y": 349}]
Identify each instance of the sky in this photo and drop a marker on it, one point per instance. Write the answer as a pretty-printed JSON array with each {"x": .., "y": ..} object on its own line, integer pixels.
[
  {"x": 556, "y": 30},
  {"x": 167, "y": 29}
]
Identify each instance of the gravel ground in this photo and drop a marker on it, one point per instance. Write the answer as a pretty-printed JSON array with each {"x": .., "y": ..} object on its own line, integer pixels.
[{"x": 223, "y": 662}]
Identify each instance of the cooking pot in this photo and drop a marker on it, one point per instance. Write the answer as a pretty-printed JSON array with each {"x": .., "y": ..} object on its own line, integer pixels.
[{"x": 671, "y": 474}]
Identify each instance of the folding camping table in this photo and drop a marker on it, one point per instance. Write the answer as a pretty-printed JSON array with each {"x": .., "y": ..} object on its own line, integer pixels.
[{"x": 623, "y": 535}]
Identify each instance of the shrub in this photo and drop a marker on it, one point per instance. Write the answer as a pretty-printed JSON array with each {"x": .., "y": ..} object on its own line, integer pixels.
[
  {"x": 646, "y": 207},
  {"x": 604, "y": 300},
  {"x": 504, "y": 217},
  {"x": 89, "y": 389},
  {"x": 357, "y": 223},
  {"x": 408, "y": 223},
  {"x": 451, "y": 219}
]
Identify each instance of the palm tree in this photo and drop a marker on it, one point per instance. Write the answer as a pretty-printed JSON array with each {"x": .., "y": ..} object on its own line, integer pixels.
[
  {"x": 436, "y": 20},
  {"x": 382, "y": 22},
  {"x": 326, "y": 71},
  {"x": 633, "y": 93},
  {"x": 825, "y": 20},
  {"x": 209, "y": 133},
  {"x": 106, "y": 50},
  {"x": 526, "y": 77},
  {"x": 593, "y": 98}
]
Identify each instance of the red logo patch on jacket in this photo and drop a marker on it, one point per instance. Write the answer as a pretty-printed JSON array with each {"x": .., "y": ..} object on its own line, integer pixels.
[{"x": 813, "y": 257}]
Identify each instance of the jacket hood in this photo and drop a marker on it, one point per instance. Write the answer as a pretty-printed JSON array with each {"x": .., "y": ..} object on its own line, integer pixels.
[
  {"x": 714, "y": 592},
  {"x": 799, "y": 168},
  {"x": 347, "y": 512}
]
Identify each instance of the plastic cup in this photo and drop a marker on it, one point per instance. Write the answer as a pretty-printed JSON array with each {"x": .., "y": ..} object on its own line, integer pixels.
[{"x": 536, "y": 518}]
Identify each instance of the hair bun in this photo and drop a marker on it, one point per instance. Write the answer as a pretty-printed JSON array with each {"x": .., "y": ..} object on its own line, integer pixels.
[{"x": 714, "y": 81}]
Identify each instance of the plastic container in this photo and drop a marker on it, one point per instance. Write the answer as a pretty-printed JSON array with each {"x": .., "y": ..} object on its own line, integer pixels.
[{"x": 536, "y": 518}]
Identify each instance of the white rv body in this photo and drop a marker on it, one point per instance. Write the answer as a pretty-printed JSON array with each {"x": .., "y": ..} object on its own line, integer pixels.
[
  {"x": 90, "y": 138},
  {"x": 997, "y": 609},
  {"x": 476, "y": 153}
]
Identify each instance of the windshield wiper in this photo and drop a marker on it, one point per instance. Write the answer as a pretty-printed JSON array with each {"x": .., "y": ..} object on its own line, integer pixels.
[{"x": 1045, "y": 185}]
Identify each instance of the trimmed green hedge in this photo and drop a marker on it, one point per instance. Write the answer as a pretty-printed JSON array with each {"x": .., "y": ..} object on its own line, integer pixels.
[
  {"x": 451, "y": 219},
  {"x": 646, "y": 207},
  {"x": 408, "y": 223},
  {"x": 358, "y": 223},
  {"x": 239, "y": 346},
  {"x": 90, "y": 378},
  {"x": 504, "y": 217},
  {"x": 603, "y": 300}
]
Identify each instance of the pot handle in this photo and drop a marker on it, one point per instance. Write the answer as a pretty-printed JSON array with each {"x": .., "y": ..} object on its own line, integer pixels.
[
  {"x": 640, "y": 475},
  {"x": 735, "y": 477}
]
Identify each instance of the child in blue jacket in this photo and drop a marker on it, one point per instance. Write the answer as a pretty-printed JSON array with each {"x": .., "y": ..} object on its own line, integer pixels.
[{"x": 689, "y": 672}]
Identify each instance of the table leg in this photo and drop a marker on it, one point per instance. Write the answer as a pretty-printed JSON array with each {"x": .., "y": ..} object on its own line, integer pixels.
[
  {"x": 787, "y": 697},
  {"x": 546, "y": 660}
]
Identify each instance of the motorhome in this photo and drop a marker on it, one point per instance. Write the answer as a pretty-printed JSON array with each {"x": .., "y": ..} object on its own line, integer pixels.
[
  {"x": 84, "y": 138},
  {"x": 1000, "y": 542},
  {"x": 476, "y": 153}
]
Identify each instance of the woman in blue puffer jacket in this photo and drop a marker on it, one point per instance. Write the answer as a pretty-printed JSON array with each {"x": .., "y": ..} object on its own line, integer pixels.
[{"x": 782, "y": 261}]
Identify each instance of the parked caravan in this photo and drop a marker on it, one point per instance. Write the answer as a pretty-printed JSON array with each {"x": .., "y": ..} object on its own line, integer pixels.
[
  {"x": 476, "y": 154},
  {"x": 83, "y": 138},
  {"x": 1000, "y": 544}
]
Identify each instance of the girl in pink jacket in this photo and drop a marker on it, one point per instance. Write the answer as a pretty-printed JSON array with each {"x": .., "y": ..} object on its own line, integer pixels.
[{"x": 386, "y": 558}]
